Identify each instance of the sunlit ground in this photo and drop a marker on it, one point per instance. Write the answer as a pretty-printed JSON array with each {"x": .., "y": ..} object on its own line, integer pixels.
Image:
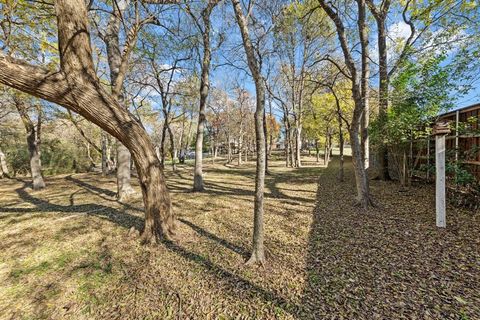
[{"x": 65, "y": 252}]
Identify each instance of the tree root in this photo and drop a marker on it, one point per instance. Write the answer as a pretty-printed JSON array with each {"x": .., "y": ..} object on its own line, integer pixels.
[
  {"x": 256, "y": 259},
  {"x": 370, "y": 203}
]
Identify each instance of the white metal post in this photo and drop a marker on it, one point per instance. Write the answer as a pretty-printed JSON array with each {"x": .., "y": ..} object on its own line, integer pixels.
[{"x": 440, "y": 180}]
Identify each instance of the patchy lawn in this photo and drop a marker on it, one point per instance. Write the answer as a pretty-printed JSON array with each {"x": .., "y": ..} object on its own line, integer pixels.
[{"x": 65, "y": 252}]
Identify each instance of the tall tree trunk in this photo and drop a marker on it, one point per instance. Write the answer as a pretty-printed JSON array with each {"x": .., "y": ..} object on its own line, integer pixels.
[
  {"x": 380, "y": 15},
  {"x": 123, "y": 173},
  {"x": 383, "y": 94},
  {"x": 292, "y": 148},
  {"x": 361, "y": 179},
  {"x": 286, "y": 141},
  {"x": 172, "y": 148},
  {"x": 114, "y": 57},
  {"x": 247, "y": 148},
  {"x": 33, "y": 141},
  {"x": 317, "y": 151},
  {"x": 267, "y": 172},
  {"x": 162, "y": 145},
  {"x": 341, "y": 143},
  {"x": 298, "y": 144},
  {"x": 3, "y": 165},
  {"x": 365, "y": 75},
  {"x": 77, "y": 87},
  {"x": 198, "y": 184},
  {"x": 104, "y": 154},
  {"x": 229, "y": 149},
  {"x": 240, "y": 147},
  {"x": 258, "y": 253},
  {"x": 358, "y": 92}
]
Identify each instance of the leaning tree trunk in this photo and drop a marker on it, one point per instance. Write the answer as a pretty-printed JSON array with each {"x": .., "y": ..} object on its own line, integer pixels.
[
  {"x": 77, "y": 87},
  {"x": 33, "y": 142}
]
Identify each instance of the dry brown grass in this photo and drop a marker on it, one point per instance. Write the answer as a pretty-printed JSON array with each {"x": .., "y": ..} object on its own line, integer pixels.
[{"x": 65, "y": 251}]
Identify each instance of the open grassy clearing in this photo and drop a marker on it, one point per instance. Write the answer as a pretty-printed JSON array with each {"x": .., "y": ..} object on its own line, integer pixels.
[{"x": 65, "y": 252}]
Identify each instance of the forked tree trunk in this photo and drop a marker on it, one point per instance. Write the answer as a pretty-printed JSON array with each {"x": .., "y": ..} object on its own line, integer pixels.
[
  {"x": 77, "y": 87},
  {"x": 359, "y": 89},
  {"x": 258, "y": 252},
  {"x": 33, "y": 142}
]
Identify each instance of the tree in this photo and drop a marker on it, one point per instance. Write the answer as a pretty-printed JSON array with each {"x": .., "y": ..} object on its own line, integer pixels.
[
  {"x": 206, "y": 12},
  {"x": 431, "y": 24},
  {"x": 258, "y": 252},
  {"x": 359, "y": 90},
  {"x": 299, "y": 32},
  {"x": 76, "y": 86},
  {"x": 33, "y": 138}
]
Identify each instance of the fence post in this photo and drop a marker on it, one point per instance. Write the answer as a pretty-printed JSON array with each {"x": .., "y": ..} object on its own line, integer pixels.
[{"x": 440, "y": 130}]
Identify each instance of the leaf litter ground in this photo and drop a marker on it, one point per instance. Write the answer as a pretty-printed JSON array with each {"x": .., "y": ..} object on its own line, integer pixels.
[{"x": 65, "y": 251}]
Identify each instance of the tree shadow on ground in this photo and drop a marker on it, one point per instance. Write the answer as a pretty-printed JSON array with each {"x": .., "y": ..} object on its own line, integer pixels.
[
  {"x": 389, "y": 262},
  {"x": 237, "y": 285}
]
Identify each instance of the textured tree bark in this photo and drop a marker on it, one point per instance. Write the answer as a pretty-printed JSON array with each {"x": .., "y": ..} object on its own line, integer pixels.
[
  {"x": 33, "y": 142},
  {"x": 77, "y": 87},
  {"x": 258, "y": 252}
]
